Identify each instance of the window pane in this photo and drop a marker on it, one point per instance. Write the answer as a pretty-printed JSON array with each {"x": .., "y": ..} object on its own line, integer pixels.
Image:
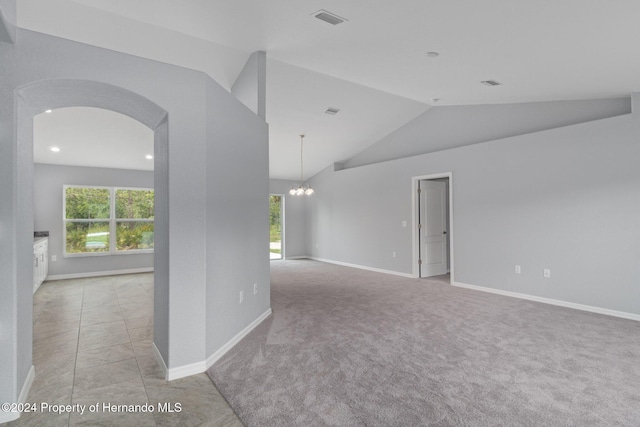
[
  {"x": 87, "y": 203},
  {"x": 134, "y": 204},
  {"x": 83, "y": 237},
  {"x": 134, "y": 235}
]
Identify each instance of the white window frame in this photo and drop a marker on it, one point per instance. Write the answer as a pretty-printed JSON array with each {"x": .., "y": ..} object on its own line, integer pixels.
[{"x": 112, "y": 220}]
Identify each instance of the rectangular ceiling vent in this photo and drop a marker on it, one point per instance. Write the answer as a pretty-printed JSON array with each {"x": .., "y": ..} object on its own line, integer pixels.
[
  {"x": 329, "y": 17},
  {"x": 491, "y": 83},
  {"x": 332, "y": 111}
]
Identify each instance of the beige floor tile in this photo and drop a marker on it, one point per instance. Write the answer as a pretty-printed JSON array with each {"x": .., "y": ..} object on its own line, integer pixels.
[
  {"x": 47, "y": 363},
  {"x": 39, "y": 326},
  {"x": 200, "y": 402},
  {"x": 131, "y": 391},
  {"x": 106, "y": 327},
  {"x": 143, "y": 348},
  {"x": 109, "y": 374},
  {"x": 141, "y": 334},
  {"x": 104, "y": 355},
  {"x": 112, "y": 420},
  {"x": 102, "y": 339},
  {"x": 39, "y": 419},
  {"x": 139, "y": 322},
  {"x": 98, "y": 318},
  {"x": 139, "y": 312},
  {"x": 93, "y": 344}
]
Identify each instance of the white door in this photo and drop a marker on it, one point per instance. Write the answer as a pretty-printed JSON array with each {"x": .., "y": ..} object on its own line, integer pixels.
[{"x": 433, "y": 228}]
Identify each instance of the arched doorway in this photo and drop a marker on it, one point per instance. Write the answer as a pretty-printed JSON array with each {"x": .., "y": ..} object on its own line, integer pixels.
[{"x": 37, "y": 97}]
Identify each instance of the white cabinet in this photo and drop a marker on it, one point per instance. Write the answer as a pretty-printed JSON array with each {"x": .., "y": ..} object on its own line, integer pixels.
[{"x": 40, "y": 262}]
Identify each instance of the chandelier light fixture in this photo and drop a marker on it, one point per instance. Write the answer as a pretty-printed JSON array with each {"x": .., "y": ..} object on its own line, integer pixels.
[{"x": 302, "y": 189}]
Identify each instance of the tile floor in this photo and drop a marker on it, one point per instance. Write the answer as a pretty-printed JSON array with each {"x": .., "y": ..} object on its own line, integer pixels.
[{"x": 92, "y": 345}]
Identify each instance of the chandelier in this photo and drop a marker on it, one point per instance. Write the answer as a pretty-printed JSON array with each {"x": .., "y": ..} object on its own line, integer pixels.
[{"x": 302, "y": 188}]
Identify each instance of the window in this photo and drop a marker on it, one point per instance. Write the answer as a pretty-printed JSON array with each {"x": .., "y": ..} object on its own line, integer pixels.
[{"x": 107, "y": 220}]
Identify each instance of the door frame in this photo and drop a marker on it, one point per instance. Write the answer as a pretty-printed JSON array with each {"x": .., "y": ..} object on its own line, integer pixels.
[{"x": 415, "y": 215}]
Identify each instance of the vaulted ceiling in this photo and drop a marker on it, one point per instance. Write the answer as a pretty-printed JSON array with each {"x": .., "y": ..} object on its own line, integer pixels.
[{"x": 374, "y": 66}]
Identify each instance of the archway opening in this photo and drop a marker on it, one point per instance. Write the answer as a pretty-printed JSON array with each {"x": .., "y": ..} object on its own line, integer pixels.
[{"x": 38, "y": 97}]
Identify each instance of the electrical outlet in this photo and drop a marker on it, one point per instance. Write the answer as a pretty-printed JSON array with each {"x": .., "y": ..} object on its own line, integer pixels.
[
  {"x": 546, "y": 273},
  {"x": 404, "y": 224},
  {"x": 394, "y": 254},
  {"x": 255, "y": 288},
  {"x": 518, "y": 269},
  {"x": 317, "y": 246},
  {"x": 241, "y": 296},
  {"x": 54, "y": 258}
]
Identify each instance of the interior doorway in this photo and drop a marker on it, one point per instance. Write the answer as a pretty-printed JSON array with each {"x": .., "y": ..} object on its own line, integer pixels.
[
  {"x": 46, "y": 95},
  {"x": 276, "y": 226},
  {"x": 433, "y": 225}
]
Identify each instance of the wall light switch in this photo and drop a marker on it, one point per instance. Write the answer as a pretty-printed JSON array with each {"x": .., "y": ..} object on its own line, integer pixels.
[
  {"x": 255, "y": 288},
  {"x": 54, "y": 258},
  {"x": 404, "y": 224},
  {"x": 394, "y": 254},
  {"x": 241, "y": 296},
  {"x": 547, "y": 273},
  {"x": 518, "y": 269}
]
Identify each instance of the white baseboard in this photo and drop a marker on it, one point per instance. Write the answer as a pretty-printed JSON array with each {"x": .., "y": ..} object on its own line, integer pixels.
[
  {"x": 363, "y": 267},
  {"x": 296, "y": 257},
  {"x": 99, "y": 274},
  {"x": 592, "y": 309},
  {"x": 200, "y": 367},
  {"x": 5, "y": 417},
  {"x": 186, "y": 370},
  {"x": 159, "y": 359},
  {"x": 235, "y": 340},
  {"x": 22, "y": 398}
]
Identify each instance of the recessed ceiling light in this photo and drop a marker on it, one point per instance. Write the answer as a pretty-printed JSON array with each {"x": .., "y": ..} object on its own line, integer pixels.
[
  {"x": 55, "y": 149},
  {"x": 148, "y": 157},
  {"x": 332, "y": 111},
  {"x": 48, "y": 111},
  {"x": 432, "y": 54},
  {"x": 491, "y": 83},
  {"x": 328, "y": 17}
]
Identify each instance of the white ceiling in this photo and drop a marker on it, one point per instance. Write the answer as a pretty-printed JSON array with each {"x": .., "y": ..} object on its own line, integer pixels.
[
  {"x": 374, "y": 66},
  {"x": 92, "y": 137}
]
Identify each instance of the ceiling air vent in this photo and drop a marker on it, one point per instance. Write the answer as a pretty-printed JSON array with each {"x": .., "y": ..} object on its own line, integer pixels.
[
  {"x": 491, "y": 83},
  {"x": 332, "y": 111},
  {"x": 329, "y": 17}
]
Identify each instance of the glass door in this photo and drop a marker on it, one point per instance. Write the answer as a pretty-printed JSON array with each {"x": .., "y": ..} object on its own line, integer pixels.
[{"x": 276, "y": 211}]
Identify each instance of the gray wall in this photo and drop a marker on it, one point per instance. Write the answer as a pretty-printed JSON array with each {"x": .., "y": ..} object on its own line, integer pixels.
[
  {"x": 7, "y": 20},
  {"x": 188, "y": 98},
  {"x": 251, "y": 85},
  {"x": 442, "y": 128},
  {"x": 295, "y": 234},
  {"x": 48, "y": 182},
  {"x": 237, "y": 217},
  {"x": 565, "y": 199}
]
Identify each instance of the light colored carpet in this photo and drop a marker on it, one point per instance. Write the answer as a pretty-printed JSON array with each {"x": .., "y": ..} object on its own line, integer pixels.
[{"x": 347, "y": 347}]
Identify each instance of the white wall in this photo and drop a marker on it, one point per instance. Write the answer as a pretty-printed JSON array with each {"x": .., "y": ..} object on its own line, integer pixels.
[
  {"x": 294, "y": 218},
  {"x": 48, "y": 182},
  {"x": 566, "y": 199}
]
